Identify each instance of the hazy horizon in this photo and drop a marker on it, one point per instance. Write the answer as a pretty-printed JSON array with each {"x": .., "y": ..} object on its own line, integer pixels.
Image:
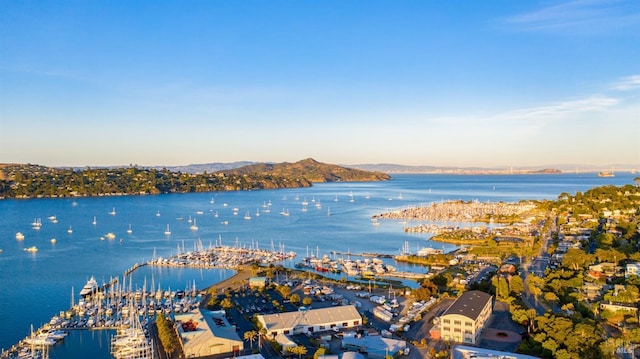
[
  {"x": 564, "y": 167},
  {"x": 482, "y": 84}
]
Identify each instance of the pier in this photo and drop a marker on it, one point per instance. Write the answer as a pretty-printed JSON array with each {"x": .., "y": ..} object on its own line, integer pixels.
[{"x": 363, "y": 254}]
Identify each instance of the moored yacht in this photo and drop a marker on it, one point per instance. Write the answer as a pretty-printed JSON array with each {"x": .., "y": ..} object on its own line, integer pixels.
[{"x": 90, "y": 287}]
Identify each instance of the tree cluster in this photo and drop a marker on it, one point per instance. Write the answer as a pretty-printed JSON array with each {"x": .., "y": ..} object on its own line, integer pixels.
[
  {"x": 23, "y": 181},
  {"x": 168, "y": 335}
]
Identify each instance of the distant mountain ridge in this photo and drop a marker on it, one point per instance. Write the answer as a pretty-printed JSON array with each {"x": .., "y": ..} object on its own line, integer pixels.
[
  {"x": 394, "y": 168},
  {"x": 206, "y": 167}
]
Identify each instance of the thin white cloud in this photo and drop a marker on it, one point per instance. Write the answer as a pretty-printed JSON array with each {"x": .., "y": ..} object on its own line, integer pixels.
[
  {"x": 564, "y": 110},
  {"x": 582, "y": 15},
  {"x": 627, "y": 83},
  {"x": 58, "y": 73}
]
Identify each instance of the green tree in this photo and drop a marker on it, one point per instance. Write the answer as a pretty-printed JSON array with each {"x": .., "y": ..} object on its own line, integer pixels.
[
  {"x": 535, "y": 284},
  {"x": 501, "y": 286},
  {"x": 516, "y": 285},
  {"x": 250, "y": 335},
  {"x": 551, "y": 297},
  {"x": 226, "y": 303},
  {"x": 284, "y": 290},
  {"x": 295, "y": 298},
  {"x": 300, "y": 350},
  {"x": 320, "y": 351},
  {"x": 576, "y": 259}
]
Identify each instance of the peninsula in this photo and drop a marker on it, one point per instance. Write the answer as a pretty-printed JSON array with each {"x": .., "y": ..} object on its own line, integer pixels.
[{"x": 33, "y": 181}]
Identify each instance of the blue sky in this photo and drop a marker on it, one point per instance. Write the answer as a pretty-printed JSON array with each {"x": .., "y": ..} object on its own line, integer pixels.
[{"x": 484, "y": 83}]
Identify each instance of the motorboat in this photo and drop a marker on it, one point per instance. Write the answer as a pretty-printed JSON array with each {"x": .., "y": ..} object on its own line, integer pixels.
[{"x": 90, "y": 287}]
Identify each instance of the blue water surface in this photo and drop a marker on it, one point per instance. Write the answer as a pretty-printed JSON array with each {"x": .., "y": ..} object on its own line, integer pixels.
[{"x": 36, "y": 286}]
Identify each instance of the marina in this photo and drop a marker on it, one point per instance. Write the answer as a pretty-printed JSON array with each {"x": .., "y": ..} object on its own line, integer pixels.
[{"x": 54, "y": 270}]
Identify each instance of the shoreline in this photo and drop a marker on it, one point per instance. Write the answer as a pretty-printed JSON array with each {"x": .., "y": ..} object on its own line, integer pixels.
[{"x": 243, "y": 274}]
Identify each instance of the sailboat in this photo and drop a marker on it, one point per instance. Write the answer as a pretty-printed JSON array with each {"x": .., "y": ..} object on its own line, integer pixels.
[
  {"x": 94, "y": 221},
  {"x": 129, "y": 230},
  {"x": 194, "y": 226},
  {"x": 113, "y": 211},
  {"x": 69, "y": 230},
  {"x": 167, "y": 231},
  {"x": 247, "y": 216}
]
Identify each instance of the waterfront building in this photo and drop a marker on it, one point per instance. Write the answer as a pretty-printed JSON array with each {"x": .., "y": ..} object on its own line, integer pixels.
[
  {"x": 375, "y": 346},
  {"x": 465, "y": 352},
  {"x": 465, "y": 319},
  {"x": 311, "y": 321},
  {"x": 205, "y": 333}
]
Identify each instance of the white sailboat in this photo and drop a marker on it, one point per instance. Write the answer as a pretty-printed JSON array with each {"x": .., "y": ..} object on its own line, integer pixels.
[
  {"x": 94, "y": 221},
  {"x": 247, "y": 216},
  {"x": 194, "y": 226},
  {"x": 129, "y": 230},
  {"x": 167, "y": 231},
  {"x": 70, "y": 230},
  {"x": 113, "y": 211}
]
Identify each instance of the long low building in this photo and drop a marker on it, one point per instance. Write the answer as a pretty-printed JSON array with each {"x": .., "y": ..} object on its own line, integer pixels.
[
  {"x": 467, "y": 352},
  {"x": 205, "y": 333},
  {"x": 375, "y": 346},
  {"x": 311, "y": 321}
]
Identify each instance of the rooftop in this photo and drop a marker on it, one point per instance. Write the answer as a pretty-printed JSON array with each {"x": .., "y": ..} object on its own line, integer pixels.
[{"x": 469, "y": 304}]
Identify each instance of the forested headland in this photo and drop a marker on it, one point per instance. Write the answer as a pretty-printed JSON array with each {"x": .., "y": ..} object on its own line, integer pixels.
[{"x": 33, "y": 181}]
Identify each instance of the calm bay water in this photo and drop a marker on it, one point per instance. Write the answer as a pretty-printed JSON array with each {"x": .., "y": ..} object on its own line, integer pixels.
[{"x": 35, "y": 286}]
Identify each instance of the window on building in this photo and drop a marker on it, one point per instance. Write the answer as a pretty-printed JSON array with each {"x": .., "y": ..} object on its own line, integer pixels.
[
  {"x": 468, "y": 324},
  {"x": 446, "y": 329},
  {"x": 287, "y": 331},
  {"x": 446, "y": 321},
  {"x": 345, "y": 324},
  {"x": 467, "y": 331},
  {"x": 321, "y": 327},
  {"x": 457, "y": 322},
  {"x": 457, "y": 330},
  {"x": 356, "y": 322},
  {"x": 310, "y": 329}
]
